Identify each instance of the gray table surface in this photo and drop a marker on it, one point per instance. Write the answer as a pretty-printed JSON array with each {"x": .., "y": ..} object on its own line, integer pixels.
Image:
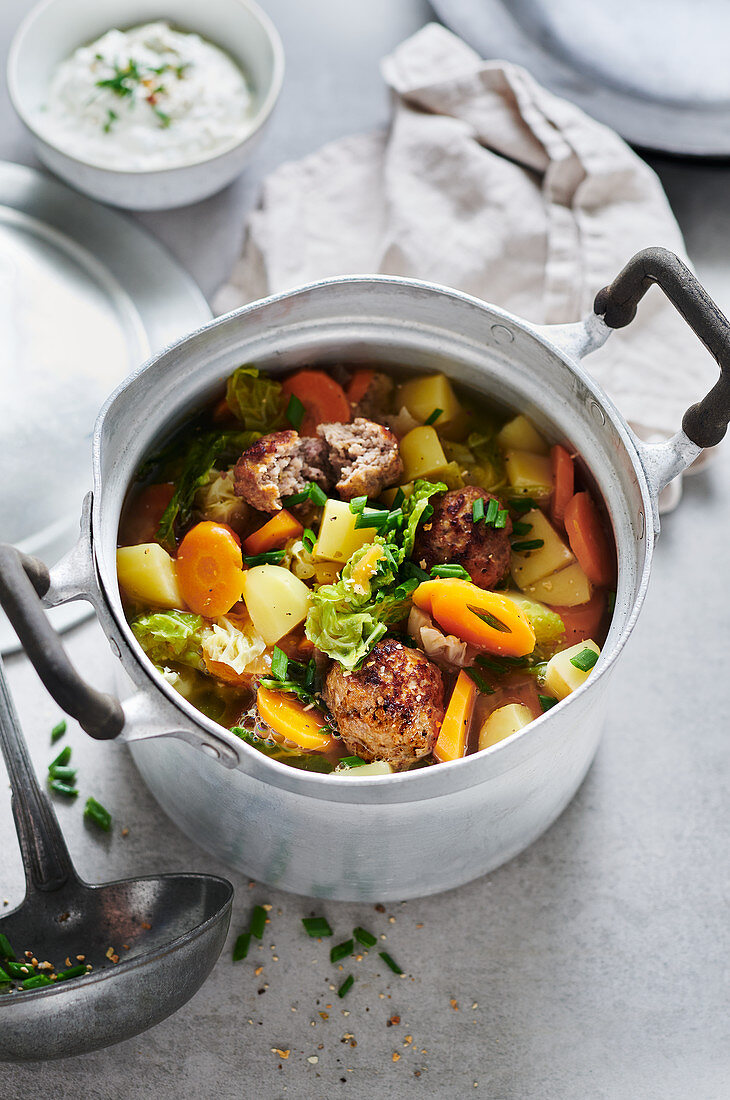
[{"x": 594, "y": 965}]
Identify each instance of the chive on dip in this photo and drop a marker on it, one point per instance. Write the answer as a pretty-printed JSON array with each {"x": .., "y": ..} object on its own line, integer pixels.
[{"x": 147, "y": 98}]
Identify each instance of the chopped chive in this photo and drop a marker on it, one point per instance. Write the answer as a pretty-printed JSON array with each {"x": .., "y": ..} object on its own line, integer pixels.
[
  {"x": 316, "y": 927},
  {"x": 58, "y": 771},
  {"x": 240, "y": 947},
  {"x": 584, "y": 660},
  {"x": 19, "y": 970},
  {"x": 36, "y": 981},
  {"x": 475, "y": 675},
  {"x": 434, "y": 416},
  {"x": 519, "y": 528},
  {"x": 492, "y": 512},
  {"x": 311, "y": 674},
  {"x": 58, "y": 731},
  {"x": 4, "y": 978},
  {"x": 62, "y": 759},
  {"x": 527, "y": 544},
  {"x": 489, "y": 619},
  {"x": 547, "y": 701},
  {"x": 390, "y": 962},
  {"x": 477, "y": 510},
  {"x": 309, "y": 538},
  {"x": 341, "y": 950},
  {"x": 279, "y": 663},
  {"x": 346, "y": 986},
  {"x": 375, "y": 518},
  {"x": 65, "y": 789},
  {"x": 6, "y": 950},
  {"x": 295, "y": 412},
  {"x": 72, "y": 972},
  {"x": 398, "y": 499},
  {"x": 312, "y": 492},
  {"x": 611, "y": 602},
  {"x": 258, "y": 922},
  {"x": 450, "y": 570},
  {"x": 94, "y": 811},
  {"x": 522, "y": 504},
  {"x": 367, "y": 939},
  {"x": 501, "y": 519},
  {"x": 357, "y": 504},
  {"x": 316, "y": 495},
  {"x": 270, "y": 557}
]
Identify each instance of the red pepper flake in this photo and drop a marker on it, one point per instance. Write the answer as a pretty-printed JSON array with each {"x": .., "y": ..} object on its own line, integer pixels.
[
  {"x": 396, "y": 1056},
  {"x": 392, "y": 1021},
  {"x": 454, "y": 1004},
  {"x": 379, "y": 908},
  {"x": 145, "y": 924}
]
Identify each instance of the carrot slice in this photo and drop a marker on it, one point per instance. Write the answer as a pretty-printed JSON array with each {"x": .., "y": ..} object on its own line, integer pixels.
[
  {"x": 287, "y": 717},
  {"x": 210, "y": 569},
  {"x": 563, "y": 483},
  {"x": 588, "y": 539},
  {"x": 583, "y": 621},
  {"x": 359, "y": 385},
  {"x": 141, "y": 520},
  {"x": 451, "y": 741},
  {"x": 487, "y": 620},
  {"x": 324, "y": 399},
  {"x": 282, "y": 527}
]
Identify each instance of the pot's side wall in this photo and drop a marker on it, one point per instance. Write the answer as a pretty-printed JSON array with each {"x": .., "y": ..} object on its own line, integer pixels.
[{"x": 355, "y": 851}]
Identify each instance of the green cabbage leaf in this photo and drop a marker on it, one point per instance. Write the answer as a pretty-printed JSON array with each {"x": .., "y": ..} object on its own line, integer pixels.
[
  {"x": 171, "y": 637},
  {"x": 255, "y": 400}
]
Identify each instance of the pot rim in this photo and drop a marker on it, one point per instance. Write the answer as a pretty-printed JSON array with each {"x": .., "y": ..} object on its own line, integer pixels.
[{"x": 426, "y": 782}]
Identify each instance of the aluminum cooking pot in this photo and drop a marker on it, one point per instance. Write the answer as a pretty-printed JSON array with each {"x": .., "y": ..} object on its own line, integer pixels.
[{"x": 398, "y": 836}]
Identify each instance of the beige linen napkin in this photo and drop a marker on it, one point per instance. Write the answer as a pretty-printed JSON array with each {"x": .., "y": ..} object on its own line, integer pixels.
[{"x": 488, "y": 183}]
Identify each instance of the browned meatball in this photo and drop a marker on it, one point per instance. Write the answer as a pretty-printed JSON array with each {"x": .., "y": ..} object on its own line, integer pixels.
[
  {"x": 278, "y": 465},
  {"x": 389, "y": 709},
  {"x": 451, "y": 535},
  {"x": 363, "y": 455}
]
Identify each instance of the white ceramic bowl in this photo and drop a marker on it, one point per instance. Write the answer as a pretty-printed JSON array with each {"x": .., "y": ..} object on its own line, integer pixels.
[{"x": 54, "y": 29}]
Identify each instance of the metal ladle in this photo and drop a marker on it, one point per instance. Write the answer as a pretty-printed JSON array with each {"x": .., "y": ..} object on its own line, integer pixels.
[{"x": 167, "y": 931}]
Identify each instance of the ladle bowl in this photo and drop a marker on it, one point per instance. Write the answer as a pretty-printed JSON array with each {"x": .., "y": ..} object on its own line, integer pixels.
[{"x": 166, "y": 931}]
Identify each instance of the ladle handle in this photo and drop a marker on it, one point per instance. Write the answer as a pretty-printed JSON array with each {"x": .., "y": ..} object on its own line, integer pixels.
[
  {"x": 45, "y": 855},
  {"x": 706, "y": 422},
  {"x": 23, "y": 580}
]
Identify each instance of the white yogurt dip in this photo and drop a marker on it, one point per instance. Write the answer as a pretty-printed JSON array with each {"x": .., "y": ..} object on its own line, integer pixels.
[{"x": 148, "y": 98}]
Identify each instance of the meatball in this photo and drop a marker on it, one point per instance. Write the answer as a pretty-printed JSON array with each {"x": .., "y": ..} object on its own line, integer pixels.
[
  {"x": 364, "y": 457},
  {"x": 451, "y": 535},
  {"x": 278, "y": 465},
  {"x": 389, "y": 709}
]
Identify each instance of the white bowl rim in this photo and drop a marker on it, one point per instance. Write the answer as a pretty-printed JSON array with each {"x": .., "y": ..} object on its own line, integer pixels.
[{"x": 14, "y": 83}]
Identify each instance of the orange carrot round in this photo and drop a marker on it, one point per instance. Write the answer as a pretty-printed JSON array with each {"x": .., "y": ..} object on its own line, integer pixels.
[
  {"x": 287, "y": 716},
  {"x": 563, "y": 483},
  {"x": 324, "y": 399},
  {"x": 588, "y": 539},
  {"x": 210, "y": 569},
  {"x": 282, "y": 527},
  {"x": 359, "y": 385},
  {"x": 485, "y": 619}
]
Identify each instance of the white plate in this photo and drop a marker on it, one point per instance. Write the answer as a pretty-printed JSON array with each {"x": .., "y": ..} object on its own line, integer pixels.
[
  {"x": 86, "y": 295},
  {"x": 655, "y": 71}
]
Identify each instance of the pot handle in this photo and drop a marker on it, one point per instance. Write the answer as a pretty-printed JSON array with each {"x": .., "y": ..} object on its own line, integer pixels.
[
  {"x": 706, "y": 422},
  {"x": 23, "y": 583}
]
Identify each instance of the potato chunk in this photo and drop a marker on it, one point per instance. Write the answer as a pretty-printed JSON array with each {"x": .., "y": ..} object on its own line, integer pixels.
[
  {"x": 520, "y": 435},
  {"x": 338, "y": 537},
  {"x": 503, "y": 722},
  {"x": 423, "y": 396},
  {"x": 422, "y": 453},
  {"x": 561, "y": 676},
  {"x": 276, "y": 600},
  {"x": 567, "y": 588},
  {"x": 532, "y": 565},
  {"x": 147, "y": 573},
  {"x": 529, "y": 473}
]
